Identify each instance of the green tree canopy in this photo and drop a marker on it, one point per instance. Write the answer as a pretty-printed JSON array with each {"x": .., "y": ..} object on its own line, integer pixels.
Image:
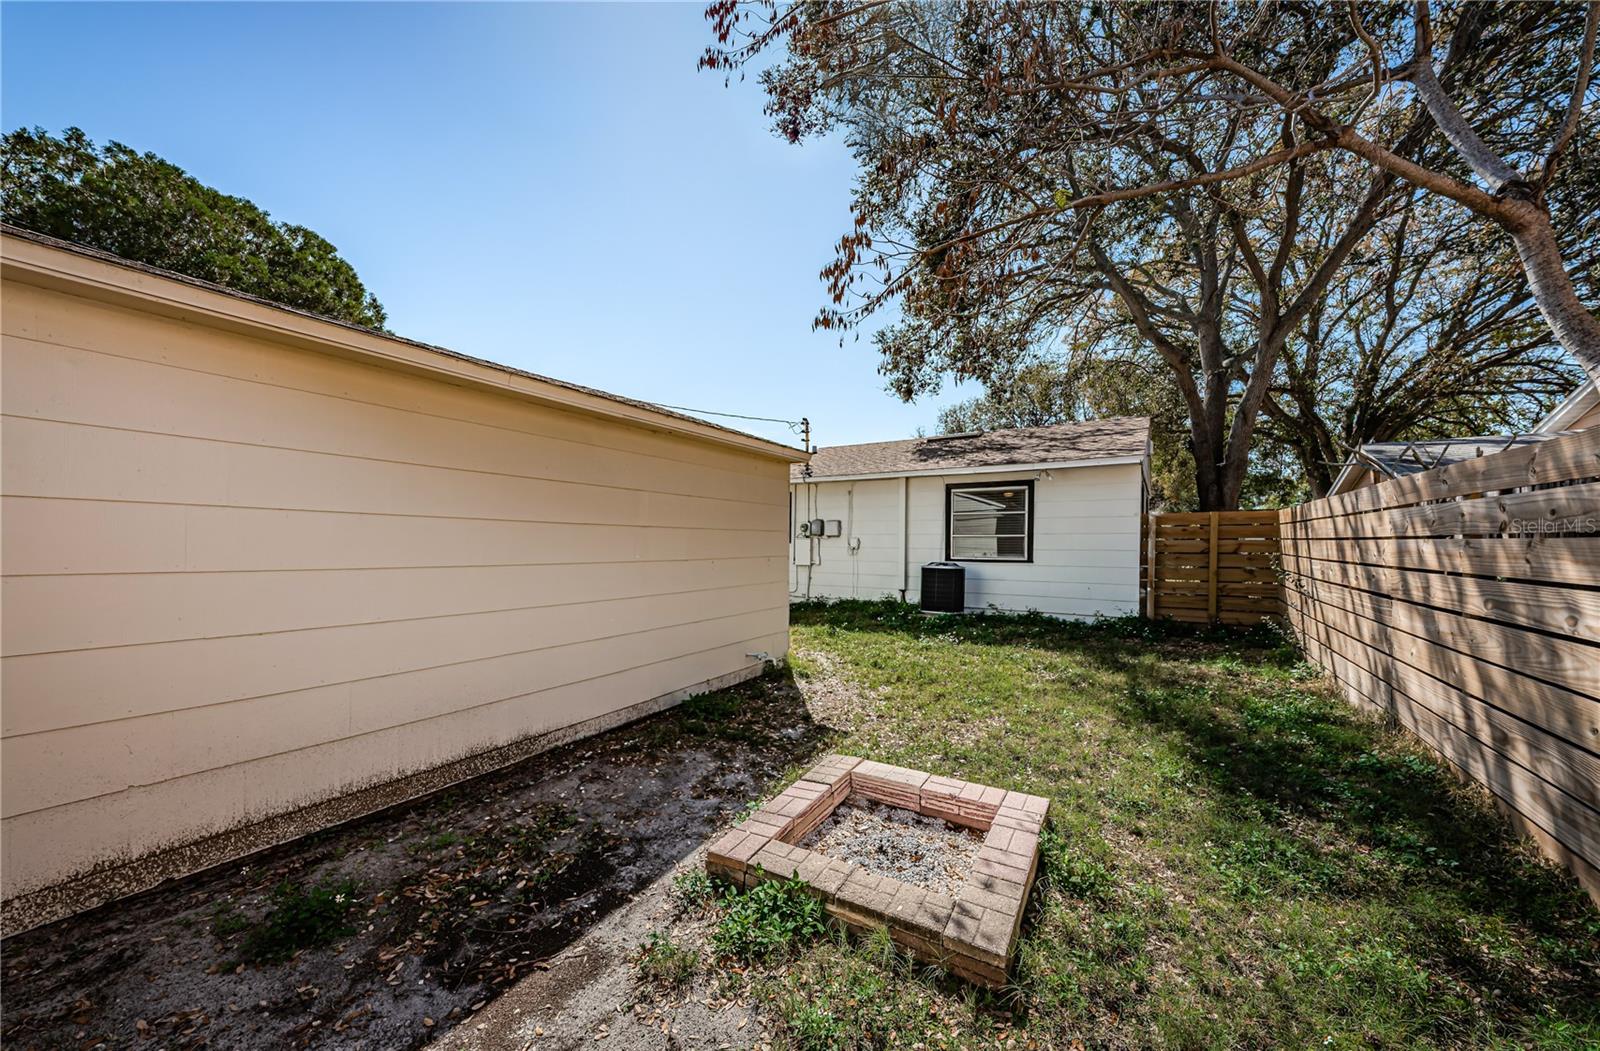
[
  {"x": 140, "y": 207},
  {"x": 1274, "y": 206}
]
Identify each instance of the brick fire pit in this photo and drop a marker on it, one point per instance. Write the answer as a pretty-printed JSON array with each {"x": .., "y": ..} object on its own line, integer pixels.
[{"x": 973, "y": 933}]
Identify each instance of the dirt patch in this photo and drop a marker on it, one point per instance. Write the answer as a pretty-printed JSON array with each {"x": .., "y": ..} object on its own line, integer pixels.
[
  {"x": 595, "y": 991},
  {"x": 386, "y": 931},
  {"x": 832, "y": 699},
  {"x": 901, "y": 844}
]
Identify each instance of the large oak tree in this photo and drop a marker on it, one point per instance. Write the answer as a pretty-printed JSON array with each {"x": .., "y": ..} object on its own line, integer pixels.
[
  {"x": 143, "y": 208},
  {"x": 1195, "y": 179}
]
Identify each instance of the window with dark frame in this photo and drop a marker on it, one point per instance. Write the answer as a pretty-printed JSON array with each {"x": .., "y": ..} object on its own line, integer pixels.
[{"x": 989, "y": 522}]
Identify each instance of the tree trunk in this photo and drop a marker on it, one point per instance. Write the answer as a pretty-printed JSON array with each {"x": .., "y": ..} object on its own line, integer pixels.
[
  {"x": 1577, "y": 330},
  {"x": 1208, "y": 438},
  {"x": 1211, "y": 488}
]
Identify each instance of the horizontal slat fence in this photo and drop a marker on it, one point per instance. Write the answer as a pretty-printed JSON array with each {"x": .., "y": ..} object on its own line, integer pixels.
[
  {"x": 1464, "y": 602},
  {"x": 1213, "y": 566}
]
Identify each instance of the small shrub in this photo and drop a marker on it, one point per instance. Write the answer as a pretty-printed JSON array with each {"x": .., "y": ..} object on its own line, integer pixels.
[
  {"x": 693, "y": 889},
  {"x": 814, "y": 1027},
  {"x": 443, "y": 841},
  {"x": 301, "y": 918},
  {"x": 1075, "y": 872},
  {"x": 844, "y": 997},
  {"x": 766, "y": 921},
  {"x": 664, "y": 962},
  {"x": 226, "y": 921}
]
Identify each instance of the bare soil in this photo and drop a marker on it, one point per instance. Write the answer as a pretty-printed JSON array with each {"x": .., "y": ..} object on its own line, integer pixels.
[
  {"x": 453, "y": 897},
  {"x": 592, "y": 990},
  {"x": 901, "y": 844}
]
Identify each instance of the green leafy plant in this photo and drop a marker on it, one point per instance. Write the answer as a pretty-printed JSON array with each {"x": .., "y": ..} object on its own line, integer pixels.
[
  {"x": 693, "y": 889},
  {"x": 226, "y": 921},
  {"x": 1262, "y": 862},
  {"x": 814, "y": 1027},
  {"x": 851, "y": 996},
  {"x": 301, "y": 917},
  {"x": 768, "y": 920},
  {"x": 1074, "y": 871},
  {"x": 664, "y": 962}
]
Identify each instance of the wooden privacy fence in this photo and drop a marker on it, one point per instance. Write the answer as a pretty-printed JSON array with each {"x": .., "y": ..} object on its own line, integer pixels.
[
  {"x": 1464, "y": 602},
  {"x": 1217, "y": 566}
]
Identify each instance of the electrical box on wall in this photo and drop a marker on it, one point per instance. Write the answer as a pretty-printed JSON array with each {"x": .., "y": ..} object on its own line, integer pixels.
[
  {"x": 814, "y": 527},
  {"x": 835, "y": 527}
]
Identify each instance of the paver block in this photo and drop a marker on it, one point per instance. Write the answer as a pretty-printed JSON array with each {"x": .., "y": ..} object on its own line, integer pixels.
[
  {"x": 974, "y": 971},
  {"x": 987, "y": 899},
  {"x": 773, "y": 861},
  {"x": 990, "y": 867},
  {"x": 765, "y": 823},
  {"x": 960, "y": 802},
  {"x": 996, "y": 885},
  {"x": 1038, "y": 805},
  {"x": 788, "y": 806},
  {"x": 981, "y": 933},
  {"x": 833, "y": 877},
  {"x": 894, "y": 785},
  {"x": 868, "y": 892},
  {"x": 1016, "y": 819},
  {"x": 1024, "y": 843},
  {"x": 811, "y": 866}
]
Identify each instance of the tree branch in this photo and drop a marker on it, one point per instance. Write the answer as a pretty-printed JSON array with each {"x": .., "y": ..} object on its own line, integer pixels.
[
  {"x": 1569, "y": 127},
  {"x": 1489, "y": 165}
]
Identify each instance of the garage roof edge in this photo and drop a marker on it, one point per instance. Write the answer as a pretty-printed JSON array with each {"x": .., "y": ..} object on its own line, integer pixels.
[{"x": 34, "y": 258}]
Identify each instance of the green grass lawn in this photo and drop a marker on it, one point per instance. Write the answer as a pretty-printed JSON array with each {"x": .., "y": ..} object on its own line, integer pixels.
[{"x": 1238, "y": 859}]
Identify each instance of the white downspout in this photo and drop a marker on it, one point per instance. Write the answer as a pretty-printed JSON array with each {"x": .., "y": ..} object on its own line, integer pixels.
[
  {"x": 812, "y": 551},
  {"x": 849, "y": 540},
  {"x": 905, "y": 536}
]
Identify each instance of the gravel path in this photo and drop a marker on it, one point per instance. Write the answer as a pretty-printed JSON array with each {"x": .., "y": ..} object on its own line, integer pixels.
[{"x": 907, "y": 846}]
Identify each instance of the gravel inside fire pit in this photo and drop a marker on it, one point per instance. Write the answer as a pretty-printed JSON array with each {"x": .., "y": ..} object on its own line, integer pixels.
[{"x": 901, "y": 844}]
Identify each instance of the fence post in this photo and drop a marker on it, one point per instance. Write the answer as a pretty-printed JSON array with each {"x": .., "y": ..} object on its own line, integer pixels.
[
  {"x": 1150, "y": 569},
  {"x": 1211, "y": 575}
]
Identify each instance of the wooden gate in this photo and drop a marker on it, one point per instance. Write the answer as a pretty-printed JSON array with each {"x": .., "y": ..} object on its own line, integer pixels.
[{"x": 1213, "y": 566}]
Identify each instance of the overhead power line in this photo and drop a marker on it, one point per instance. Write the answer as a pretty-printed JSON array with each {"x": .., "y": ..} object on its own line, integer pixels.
[{"x": 802, "y": 426}]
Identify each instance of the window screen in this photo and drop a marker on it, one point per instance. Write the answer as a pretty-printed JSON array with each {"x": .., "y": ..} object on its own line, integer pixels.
[{"x": 991, "y": 522}]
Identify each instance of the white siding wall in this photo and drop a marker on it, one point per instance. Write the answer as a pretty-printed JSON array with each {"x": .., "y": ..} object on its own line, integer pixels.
[{"x": 1085, "y": 545}]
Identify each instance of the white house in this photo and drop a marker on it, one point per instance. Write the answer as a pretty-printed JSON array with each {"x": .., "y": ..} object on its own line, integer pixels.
[{"x": 1042, "y": 518}]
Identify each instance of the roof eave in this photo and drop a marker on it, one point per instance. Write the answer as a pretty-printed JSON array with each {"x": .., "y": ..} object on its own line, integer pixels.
[
  {"x": 1008, "y": 468},
  {"x": 1576, "y": 404},
  {"x": 1346, "y": 476},
  {"x": 93, "y": 275}
]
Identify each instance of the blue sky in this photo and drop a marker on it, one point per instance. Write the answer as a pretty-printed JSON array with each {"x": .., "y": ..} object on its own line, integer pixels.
[{"x": 550, "y": 186}]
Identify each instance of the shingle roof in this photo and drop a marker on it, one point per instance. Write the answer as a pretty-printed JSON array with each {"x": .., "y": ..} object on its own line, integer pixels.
[{"x": 1120, "y": 436}]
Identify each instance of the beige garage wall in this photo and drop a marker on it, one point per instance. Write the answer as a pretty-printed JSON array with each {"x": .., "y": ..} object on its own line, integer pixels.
[{"x": 241, "y": 578}]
